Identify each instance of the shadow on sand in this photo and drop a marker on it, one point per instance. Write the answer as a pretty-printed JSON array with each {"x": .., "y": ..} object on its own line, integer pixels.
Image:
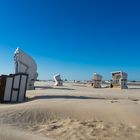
[
  {"x": 53, "y": 97},
  {"x": 133, "y": 88},
  {"x": 62, "y": 97},
  {"x": 49, "y": 87}
]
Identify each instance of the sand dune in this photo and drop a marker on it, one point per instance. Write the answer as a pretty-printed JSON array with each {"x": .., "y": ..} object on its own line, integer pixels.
[{"x": 74, "y": 112}]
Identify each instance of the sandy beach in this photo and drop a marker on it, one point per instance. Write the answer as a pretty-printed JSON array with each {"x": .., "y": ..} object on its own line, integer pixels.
[
  {"x": 73, "y": 112},
  {"x": 70, "y": 70}
]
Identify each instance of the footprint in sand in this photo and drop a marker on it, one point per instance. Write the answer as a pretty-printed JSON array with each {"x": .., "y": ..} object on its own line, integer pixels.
[
  {"x": 114, "y": 102},
  {"x": 135, "y": 100},
  {"x": 132, "y": 99}
]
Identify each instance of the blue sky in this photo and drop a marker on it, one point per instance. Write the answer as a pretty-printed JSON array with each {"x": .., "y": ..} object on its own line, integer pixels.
[{"x": 73, "y": 37}]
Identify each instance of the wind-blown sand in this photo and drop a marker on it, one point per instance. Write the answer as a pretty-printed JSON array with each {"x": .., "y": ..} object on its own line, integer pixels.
[{"x": 73, "y": 112}]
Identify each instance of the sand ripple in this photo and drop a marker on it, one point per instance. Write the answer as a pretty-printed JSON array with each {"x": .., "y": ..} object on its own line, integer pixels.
[{"x": 67, "y": 128}]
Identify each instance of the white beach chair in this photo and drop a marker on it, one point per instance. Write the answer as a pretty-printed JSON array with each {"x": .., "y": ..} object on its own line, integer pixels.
[
  {"x": 58, "y": 80},
  {"x": 97, "y": 80},
  {"x": 119, "y": 80},
  {"x": 25, "y": 64},
  {"x": 13, "y": 87}
]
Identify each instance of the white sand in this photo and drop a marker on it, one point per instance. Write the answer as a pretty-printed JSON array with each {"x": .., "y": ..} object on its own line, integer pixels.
[{"x": 74, "y": 112}]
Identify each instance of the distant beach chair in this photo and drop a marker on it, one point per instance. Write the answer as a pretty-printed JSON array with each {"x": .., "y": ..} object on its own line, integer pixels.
[
  {"x": 25, "y": 64},
  {"x": 97, "y": 80},
  {"x": 58, "y": 80},
  {"x": 13, "y": 87},
  {"x": 119, "y": 80}
]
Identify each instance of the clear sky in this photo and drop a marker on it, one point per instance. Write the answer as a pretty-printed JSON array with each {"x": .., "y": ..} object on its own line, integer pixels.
[{"x": 73, "y": 37}]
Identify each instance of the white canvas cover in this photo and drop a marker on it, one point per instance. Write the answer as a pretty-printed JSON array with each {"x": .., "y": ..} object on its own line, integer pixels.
[
  {"x": 22, "y": 88},
  {"x": 8, "y": 87},
  {"x": 25, "y": 64}
]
